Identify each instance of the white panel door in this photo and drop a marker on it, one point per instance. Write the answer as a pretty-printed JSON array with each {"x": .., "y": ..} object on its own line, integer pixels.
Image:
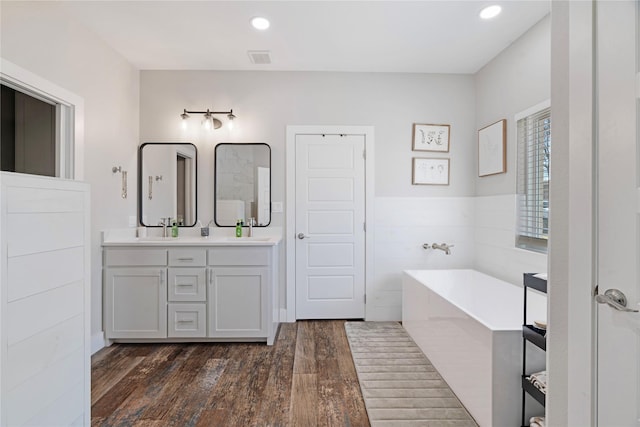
[
  {"x": 330, "y": 238},
  {"x": 618, "y": 194}
]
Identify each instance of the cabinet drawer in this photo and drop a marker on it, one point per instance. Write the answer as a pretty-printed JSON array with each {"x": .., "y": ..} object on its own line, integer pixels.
[
  {"x": 226, "y": 255},
  {"x": 187, "y": 320},
  {"x": 187, "y": 284},
  {"x": 135, "y": 257},
  {"x": 187, "y": 257}
]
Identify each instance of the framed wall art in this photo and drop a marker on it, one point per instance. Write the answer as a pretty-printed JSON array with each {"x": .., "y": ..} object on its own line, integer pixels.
[
  {"x": 431, "y": 137},
  {"x": 492, "y": 149},
  {"x": 430, "y": 171}
]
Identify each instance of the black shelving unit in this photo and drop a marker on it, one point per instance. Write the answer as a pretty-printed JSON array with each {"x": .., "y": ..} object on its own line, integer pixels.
[{"x": 535, "y": 336}]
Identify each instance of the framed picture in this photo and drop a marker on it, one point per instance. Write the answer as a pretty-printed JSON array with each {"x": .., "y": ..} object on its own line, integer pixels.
[
  {"x": 492, "y": 149},
  {"x": 431, "y": 137},
  {"x": 430, "y": 171}
]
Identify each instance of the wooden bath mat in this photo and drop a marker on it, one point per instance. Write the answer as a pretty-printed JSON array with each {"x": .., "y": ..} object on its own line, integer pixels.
[{"x": 399, "y": 385}]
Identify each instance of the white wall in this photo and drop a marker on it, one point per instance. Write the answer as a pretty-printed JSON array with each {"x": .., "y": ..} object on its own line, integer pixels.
[
  {"x": 518, "y": 78},
  {"x": 403, "y": 225},
  {"x": 495, "y": 231},
  {"x": 266, "y": 102},
  {"x": 42, "y": 39}
]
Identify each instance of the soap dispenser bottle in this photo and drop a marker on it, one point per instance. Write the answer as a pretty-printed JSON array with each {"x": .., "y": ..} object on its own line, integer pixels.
[
  {"x": 239, "y": 228},
  {"x": 174, "y": 229}
]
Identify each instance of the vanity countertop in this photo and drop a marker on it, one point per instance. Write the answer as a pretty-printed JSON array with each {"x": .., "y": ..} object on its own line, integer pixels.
[{"x": 191, "y": 241}]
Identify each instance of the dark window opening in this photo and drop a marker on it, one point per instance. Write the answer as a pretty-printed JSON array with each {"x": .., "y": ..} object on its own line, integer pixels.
[{"x": 27, "y": 133}]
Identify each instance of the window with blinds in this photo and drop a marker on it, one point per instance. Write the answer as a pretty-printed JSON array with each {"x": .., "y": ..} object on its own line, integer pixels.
[{"x": 534, "y": 149}]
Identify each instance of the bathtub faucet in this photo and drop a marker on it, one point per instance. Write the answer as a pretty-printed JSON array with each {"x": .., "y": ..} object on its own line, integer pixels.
[{"x": 443, "y": 247}]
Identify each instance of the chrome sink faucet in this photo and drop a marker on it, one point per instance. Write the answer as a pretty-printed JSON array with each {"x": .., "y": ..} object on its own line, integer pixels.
[
  {"x": 251, "y": 222},
  {"x": 443, "y": 247},
  {"x": 165, "y": 223}
]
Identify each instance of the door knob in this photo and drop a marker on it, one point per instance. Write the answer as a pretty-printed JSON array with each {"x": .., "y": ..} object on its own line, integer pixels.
[
  {"x": 616, "y": 299},
  {"x": 301, "y": 236}
]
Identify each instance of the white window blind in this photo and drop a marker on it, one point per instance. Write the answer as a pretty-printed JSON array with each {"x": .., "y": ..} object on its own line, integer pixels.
[{"x": 534, "y": 149}]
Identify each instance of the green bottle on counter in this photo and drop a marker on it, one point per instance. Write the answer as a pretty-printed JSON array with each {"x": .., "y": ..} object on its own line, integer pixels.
[
  {"x": 239, "y": 228},
  {"x": 174, "y": 229}
]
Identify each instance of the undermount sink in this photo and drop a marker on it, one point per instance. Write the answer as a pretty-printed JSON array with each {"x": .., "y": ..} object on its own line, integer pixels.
[
  {"x": 247, "y": 239},
  {"x": 153, "y": 238},
  {"x": 170, "y": 239}
]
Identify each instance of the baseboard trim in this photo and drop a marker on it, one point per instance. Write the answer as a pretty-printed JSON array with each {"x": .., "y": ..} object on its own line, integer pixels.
[{"x": 97, "y": 342}]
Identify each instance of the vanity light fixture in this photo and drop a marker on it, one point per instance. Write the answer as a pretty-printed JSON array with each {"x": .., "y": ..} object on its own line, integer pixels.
[
  {"x": 209, "y": 121},
  {"x": 490, "y": 11}
]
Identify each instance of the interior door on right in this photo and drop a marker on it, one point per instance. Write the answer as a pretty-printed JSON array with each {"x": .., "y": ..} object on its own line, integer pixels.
[{"x": 618, "y": 195}]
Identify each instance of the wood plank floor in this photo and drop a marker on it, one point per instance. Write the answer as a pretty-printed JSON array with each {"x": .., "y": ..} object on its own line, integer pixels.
[{"x": 306, "y": 379}]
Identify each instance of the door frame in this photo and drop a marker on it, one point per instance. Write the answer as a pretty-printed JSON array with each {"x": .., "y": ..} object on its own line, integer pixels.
[
  {"x": 571, "y": 341},
  {"x": 290, "y": 211}
]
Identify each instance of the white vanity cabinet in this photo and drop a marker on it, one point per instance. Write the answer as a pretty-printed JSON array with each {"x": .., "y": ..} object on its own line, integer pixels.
[
  {"x": 180, "y": 291},
  {"x": 239, "y": 291},
  {"x": 135, "y": 293}
]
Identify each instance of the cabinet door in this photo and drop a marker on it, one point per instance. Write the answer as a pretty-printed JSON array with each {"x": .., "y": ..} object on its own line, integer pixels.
[
  {"x": 238, "y": 302},
  {"x": 136, "y": 303},
  {"x": 187, "y": 284}
]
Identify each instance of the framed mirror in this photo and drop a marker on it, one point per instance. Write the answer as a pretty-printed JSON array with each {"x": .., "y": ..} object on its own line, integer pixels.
[
  {"x": 167, "y": 183},
  {"x": 242, "y": 183}
]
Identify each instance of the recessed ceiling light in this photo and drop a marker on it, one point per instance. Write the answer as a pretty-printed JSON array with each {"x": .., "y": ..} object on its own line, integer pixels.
[
  {"x": 260, "y": 23},
  {"x": 490, "y": 12}
]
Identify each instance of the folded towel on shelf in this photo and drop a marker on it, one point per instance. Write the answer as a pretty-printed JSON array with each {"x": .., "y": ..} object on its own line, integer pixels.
[
  {"x": 539, "y": 380},
  {"x": 536, "y": 422},
  {"x": 541, "y": 276}
]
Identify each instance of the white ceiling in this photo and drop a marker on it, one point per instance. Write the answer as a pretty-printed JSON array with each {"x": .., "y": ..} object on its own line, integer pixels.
[{"x": 369, "y": 36}]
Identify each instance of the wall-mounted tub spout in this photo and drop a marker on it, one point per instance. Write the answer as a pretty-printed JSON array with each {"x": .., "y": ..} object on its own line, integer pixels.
[{"x": 443, "y": 247}]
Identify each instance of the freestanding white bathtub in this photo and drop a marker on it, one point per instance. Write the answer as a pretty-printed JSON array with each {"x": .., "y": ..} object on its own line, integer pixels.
[{"x": 469, "y": 325}]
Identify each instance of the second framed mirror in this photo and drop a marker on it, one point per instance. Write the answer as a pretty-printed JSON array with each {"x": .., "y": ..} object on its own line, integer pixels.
[{"x": 242, "y": 184}]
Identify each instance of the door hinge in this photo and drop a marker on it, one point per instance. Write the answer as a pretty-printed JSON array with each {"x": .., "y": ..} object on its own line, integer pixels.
[
  {"x": 365, "y": 298},
  {"x": 364, "y": 227},
  {"x": 364, "y": 154}
]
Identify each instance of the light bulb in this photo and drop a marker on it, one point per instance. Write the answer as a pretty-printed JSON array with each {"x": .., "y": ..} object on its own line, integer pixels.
[
  {"x": 490, "y": 12},
  {"x": 185, "y": 117},
  {"x": 207, "y": 123},
  {"x": 230, "y": 125},
  {"x": 260, "y": 23}
]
